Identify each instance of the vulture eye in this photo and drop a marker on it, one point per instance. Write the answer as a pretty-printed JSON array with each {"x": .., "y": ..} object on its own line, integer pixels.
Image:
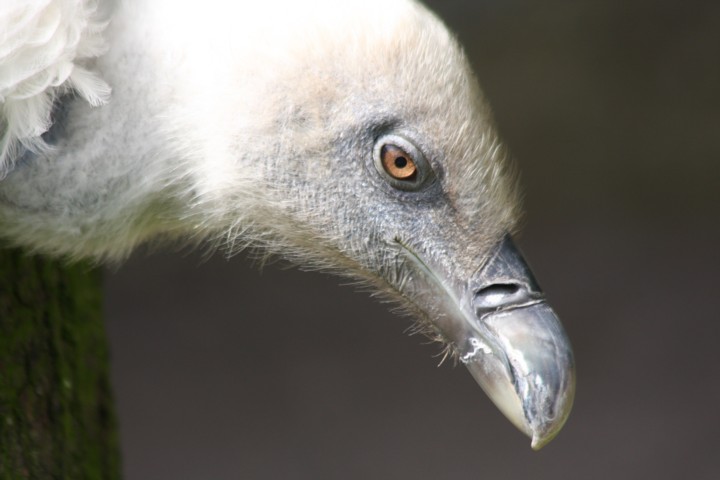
[
  {"x": 400, "y": 163},
  {"x": 397, "y": 162}
]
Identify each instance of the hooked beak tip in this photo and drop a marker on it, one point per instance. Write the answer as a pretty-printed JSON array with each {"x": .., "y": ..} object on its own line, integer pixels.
[
  {"x": 538, "y": 442},
  {"x": 547, "y": 431},
  {"x": 526, "y": 367}
]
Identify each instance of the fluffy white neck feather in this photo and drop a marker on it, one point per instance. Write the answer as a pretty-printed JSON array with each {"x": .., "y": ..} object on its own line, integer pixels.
[{"x": 45, "y": 46}]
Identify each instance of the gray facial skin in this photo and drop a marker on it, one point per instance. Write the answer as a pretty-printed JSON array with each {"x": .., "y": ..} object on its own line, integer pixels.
[{"x": 452, "y": 264}]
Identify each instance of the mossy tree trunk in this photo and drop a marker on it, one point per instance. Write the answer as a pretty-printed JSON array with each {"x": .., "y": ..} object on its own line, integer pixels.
[{"x": 56, "y": 413}]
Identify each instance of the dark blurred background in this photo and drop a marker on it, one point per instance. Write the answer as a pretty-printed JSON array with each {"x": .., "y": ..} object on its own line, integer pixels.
[{"x": 612, "y": 112}]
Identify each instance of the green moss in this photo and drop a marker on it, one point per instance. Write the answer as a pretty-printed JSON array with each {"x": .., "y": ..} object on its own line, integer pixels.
[{"x": 56, "y": 414}]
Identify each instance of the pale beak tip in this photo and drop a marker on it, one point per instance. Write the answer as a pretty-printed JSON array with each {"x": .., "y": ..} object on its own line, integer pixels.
[
  {"x": 537, "y": 443},
  {"x": 545, "y": 432},
  {"x": 539, "y": 440},
  {"x": 530, "y": 375}
]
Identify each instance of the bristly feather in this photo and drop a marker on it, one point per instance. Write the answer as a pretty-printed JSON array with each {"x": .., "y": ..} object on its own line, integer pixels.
[{"x": 46, "y": 47}]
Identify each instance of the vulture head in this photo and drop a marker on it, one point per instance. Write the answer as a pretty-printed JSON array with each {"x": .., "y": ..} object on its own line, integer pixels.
[{"x": 352, "y": 138}]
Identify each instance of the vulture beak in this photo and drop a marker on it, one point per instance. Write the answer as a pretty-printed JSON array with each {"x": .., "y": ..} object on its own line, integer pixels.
[{"x": 510, "y": 339}]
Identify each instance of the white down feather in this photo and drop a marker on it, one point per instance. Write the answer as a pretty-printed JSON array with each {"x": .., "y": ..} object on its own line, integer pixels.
[{"x": 45, "y": 50}]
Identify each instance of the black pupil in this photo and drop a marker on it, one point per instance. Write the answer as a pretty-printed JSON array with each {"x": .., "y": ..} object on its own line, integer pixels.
[{"x": 401, "y": 162}]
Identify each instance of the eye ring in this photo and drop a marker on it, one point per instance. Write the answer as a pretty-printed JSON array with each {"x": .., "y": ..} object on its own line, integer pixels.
[{"x": 400, "y": 163}]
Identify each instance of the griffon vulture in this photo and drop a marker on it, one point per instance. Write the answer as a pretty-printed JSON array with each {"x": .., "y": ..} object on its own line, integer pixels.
[{"x": 350, "y": 136}]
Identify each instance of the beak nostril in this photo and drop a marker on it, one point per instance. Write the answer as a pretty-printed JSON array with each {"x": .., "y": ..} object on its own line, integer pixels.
[
  {"x": 499, "y": 295},
  {"x": 499, "y": 288}
]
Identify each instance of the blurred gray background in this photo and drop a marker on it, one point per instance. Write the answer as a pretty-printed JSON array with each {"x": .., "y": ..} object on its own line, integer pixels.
[{"x": 612, "y": 112}]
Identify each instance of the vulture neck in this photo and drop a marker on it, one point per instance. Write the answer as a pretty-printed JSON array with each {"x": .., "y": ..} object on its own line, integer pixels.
[{"x": 162, "y": 158}]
